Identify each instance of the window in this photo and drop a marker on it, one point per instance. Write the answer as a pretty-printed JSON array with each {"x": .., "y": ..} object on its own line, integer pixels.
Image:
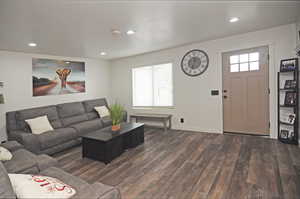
[
  {"x": 152, "y": 85},
  {"x": 244, "y": 62}
]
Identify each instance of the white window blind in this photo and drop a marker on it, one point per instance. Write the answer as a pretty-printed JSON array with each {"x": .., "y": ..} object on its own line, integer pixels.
[{"x": 152, "y": 85}]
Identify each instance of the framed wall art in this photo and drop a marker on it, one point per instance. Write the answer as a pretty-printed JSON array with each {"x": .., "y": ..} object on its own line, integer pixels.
[{"x": 57, "y": 77}]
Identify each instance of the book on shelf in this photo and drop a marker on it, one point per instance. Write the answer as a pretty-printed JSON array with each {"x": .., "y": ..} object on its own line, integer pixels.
[
  {"x": 290, "y": 84},
  {"x": 289, "y": 65},
  {"x": 287, "y": 117}
]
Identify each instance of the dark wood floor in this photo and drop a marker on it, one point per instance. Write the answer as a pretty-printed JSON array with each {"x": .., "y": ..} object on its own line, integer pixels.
[{"x": 180, "y": 164}]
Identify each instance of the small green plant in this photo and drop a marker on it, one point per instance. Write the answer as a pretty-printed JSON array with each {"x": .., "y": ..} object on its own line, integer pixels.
[{"x": 116, "y": 113}]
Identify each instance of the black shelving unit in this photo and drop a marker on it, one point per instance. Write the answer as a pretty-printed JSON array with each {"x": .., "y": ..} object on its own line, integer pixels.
[{"x": 287, "y": 132}]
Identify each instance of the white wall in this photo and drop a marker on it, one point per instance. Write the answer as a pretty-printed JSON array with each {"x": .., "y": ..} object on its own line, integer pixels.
[
  {"x": 16, "y": 73},
  {"x": 297, "y": 32},
  {"x": 193, "y": 102}
]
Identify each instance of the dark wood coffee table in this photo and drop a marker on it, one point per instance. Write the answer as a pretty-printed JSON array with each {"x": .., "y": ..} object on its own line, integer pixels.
[{"x": 105, "y": 145}]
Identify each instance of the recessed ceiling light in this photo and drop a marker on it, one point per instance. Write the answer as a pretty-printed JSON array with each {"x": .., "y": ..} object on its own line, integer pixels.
[
  {"x": 115, "y": 32},
  {"x": 130, "y": 32},
  {"x": 67, "y": 62},
  {"x": 233, "y": 19},
  {"x": 32, "y": 44},
  {"x": 103, "y": 53}
]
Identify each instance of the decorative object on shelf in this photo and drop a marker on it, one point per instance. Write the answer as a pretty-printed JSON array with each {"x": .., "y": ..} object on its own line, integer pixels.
[
  {"x": 288, "y": 101},
  {"x": 290, "y": 84},
  {"x": 287, "y": 133},
  {"x": 284, "y": 133},
  {"x": 116, "y": 115},
  {"x": 287, "y": 117},
  {"x": 289, "y": 65},
  {"x": 57, "y": 77},
  {"x": 290, "y": 98},
  {"x": 194, "y": 62},
  {"x": 291, "y": 135}
]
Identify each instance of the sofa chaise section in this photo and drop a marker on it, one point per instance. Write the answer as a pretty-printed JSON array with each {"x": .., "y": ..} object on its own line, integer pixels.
[
  {"x": 83, "y": 189},
  {"x": 24, "y": 161}
]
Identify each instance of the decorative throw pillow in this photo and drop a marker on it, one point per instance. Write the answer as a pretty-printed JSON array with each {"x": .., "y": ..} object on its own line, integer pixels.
[
  {"x": 102, "y": 111},
  {"x": 39, "y": 125},
  {"x": 5, "y": 155},
  {"x": 30, "y": 186}
]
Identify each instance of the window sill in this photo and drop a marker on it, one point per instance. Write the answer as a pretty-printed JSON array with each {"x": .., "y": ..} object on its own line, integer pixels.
[{"x": 152, "y": 107}]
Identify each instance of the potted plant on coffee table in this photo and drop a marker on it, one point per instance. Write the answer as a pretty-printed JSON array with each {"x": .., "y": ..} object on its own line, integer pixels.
[{"x": 116, "y": 114}]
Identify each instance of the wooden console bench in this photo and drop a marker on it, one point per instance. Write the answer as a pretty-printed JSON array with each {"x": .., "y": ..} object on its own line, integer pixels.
[{"x": 164, "y": 118}]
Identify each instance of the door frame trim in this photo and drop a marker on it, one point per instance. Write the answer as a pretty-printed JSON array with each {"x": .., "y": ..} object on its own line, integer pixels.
[{"x": 272, "y": 83}]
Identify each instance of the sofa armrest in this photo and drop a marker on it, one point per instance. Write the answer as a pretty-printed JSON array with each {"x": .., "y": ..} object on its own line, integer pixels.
[
  {"x": 28, "y": 140},
  {"x": 12, "y": 145}
]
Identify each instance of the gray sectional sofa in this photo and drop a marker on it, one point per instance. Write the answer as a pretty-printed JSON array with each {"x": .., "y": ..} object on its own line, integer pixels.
[
  {"x": 25, "y": 162},
  {"x": 69, "y": 120}
]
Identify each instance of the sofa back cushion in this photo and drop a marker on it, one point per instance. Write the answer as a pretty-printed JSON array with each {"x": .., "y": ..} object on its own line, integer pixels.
[
  {"x": 71, "y": 113},
  {"x": 26, "y": 114},
  {"x": 6, "y": 189},
  {"x": 90, "y": 105}
]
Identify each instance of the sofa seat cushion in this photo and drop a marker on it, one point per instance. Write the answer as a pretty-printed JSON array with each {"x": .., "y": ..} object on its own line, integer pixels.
[
  {"x": 88, "y": 126},
  {"x": 6, "y": 189},
  {"x": 78, "y": 184},
  {"x": 56, "y": 137},
  {"x": 21, "y": 161},
  {"x": 106, "y": 121}
]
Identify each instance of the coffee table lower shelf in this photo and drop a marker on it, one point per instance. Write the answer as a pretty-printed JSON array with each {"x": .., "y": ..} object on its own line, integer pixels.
[{"x": 104, "y": 145}]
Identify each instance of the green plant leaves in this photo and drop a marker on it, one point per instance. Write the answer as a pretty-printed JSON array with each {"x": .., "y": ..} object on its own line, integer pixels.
[{"x": 116, "y": 113}]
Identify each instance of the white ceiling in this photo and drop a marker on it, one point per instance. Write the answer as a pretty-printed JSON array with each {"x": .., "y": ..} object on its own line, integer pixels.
[{"x": 82, "y": 28}]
